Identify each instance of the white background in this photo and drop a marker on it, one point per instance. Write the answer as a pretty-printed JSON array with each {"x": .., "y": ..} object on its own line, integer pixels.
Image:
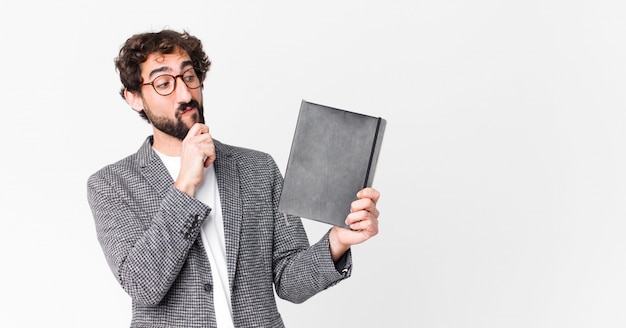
[{"x": 502, "y": 174}]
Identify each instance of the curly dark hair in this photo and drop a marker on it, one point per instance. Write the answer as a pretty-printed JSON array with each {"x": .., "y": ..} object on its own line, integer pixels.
[{"x": 139, "y": 46}]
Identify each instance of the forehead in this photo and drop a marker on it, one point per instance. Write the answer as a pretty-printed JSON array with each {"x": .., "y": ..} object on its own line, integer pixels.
[{"x": 168, "y": 63}]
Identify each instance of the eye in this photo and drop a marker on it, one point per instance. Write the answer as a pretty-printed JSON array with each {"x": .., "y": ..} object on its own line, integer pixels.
[
  {"x": 162, "y": 82},
  {"x": 189, "y": 76}
]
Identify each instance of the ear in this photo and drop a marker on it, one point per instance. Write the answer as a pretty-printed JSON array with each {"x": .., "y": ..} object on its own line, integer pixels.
[{"x": 134, "y": 100}]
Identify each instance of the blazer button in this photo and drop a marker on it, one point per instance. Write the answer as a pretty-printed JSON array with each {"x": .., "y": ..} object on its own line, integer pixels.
[{"x": 207, "y": 287}]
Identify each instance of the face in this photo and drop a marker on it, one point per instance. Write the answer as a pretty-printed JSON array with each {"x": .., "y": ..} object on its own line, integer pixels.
[{"x": 173, "y": 114}]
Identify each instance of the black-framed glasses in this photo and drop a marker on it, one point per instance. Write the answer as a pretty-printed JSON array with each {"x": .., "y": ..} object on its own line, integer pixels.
[{"x": 166, "y": 84}]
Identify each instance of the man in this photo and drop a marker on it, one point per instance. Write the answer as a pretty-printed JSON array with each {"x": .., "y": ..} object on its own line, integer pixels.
[{"x": 189, "y": 225}]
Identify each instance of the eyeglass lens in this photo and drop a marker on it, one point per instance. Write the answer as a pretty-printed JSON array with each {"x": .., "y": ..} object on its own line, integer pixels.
[{"x": 165, "y": 84}]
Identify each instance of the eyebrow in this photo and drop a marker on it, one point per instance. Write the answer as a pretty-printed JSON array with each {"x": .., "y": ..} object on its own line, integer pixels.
[{"x": 167, "y": 69}]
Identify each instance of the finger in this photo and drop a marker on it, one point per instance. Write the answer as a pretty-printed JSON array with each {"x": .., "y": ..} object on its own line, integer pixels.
[
  {"x": 210, "y": 156},
  {"x": 360, "y": 216},
  {"x": 208, "y": 161},
  {"x": 198, "y": 129},
  {"x": 204, "y": 129},
  {"x": 370, "y": 193},
  {"x": 209, "y": 152},
  {"x": 364, "y": 204},
  {"x": 367, "y": 227},
  {"x": 205, "y": 137}
]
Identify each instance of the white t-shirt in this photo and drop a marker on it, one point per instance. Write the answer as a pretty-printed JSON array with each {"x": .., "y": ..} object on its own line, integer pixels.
[{"x": 212, "y": 234}]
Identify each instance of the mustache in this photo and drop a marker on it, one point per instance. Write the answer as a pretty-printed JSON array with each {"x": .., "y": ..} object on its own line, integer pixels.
[{"x": 192, "y": 103}]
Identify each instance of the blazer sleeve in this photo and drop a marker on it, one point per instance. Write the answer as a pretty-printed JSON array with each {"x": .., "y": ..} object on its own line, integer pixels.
[
  {"x": 144, "y": 248},
  {"x": 300, "y": 270}
]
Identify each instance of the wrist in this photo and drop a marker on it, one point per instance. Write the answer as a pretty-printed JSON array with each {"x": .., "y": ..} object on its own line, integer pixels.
[
  {"x": 337, "y": 248},
  {"x": 187, "y": 188}
]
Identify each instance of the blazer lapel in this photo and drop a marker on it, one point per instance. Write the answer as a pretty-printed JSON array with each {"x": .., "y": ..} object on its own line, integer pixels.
[
  {"x": 228, "y": 184},
  {"x": 153, "y": 169}
]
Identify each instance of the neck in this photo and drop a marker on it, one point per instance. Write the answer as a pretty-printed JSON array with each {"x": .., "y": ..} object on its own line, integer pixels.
[{"x": 166, "y": 144}]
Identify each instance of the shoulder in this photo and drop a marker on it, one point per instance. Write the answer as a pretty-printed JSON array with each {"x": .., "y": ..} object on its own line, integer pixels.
[
  {"x": 242, "y": 153},
  {"x": 125, "y": 167},
  {"x": 118, "y": 175},
  {"x": 250, "y": 162},
  {"x": 124, "y": 164}
]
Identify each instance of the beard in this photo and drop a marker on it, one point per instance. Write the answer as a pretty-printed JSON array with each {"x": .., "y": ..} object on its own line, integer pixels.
[{"x": 176, "y": 128}]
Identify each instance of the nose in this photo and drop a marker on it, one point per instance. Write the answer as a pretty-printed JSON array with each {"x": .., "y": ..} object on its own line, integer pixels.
[{"x": 182, "y": 92}]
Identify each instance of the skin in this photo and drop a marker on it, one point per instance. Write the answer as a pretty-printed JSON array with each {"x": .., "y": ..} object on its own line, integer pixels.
[{"x": 197, "y": 150}]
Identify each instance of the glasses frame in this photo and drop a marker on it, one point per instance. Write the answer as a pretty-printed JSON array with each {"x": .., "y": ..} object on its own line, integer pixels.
[{"x": 175, "y": 81}]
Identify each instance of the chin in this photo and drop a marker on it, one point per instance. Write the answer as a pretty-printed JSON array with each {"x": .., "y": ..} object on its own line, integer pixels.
[{"x": 192, "y": 119}]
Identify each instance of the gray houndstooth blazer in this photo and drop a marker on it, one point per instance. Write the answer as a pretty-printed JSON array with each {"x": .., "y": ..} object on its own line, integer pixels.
[{"x": 149, "y": 232}]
